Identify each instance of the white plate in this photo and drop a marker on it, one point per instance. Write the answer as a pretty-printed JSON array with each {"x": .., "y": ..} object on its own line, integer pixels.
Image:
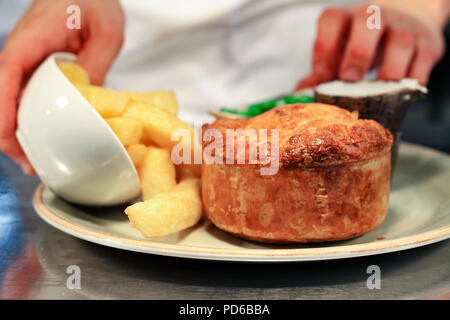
[{"x": 419, "y": 214}]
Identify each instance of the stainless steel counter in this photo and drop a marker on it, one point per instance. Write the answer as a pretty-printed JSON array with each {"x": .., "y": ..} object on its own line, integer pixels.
[{"x": 34, "y": 258}]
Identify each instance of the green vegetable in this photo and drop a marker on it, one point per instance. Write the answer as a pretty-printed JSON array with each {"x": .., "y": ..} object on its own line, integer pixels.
[
  {"x": 244, "y": 113},
  {"x": 258, "y": 108},
  {"x": 298, "y": 99},
  {"x": 228, "y": 110},
  {"x": 267, "y": 105},
  {"x": 255, "y": 110},
  {"x": 306, "y": 99}
]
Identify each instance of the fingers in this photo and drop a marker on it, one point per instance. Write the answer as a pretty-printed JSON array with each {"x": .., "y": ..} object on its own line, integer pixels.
[
  {"x": 399, "y": 51},
  {"x": 10, "y": 80},
  {"x": 308, "y": 82},
  {"x": 361, "y": 48},
  {"x": 20, "y": 56},
  {"x": 423, "y": 64},
  {"x": 411, "y": 48},
  {"x": 8, "y": 101},
  {"x": 332, "y": 27},
  {"x": 331, "y": 32},
  {"x": 100, "y": 49},
  {"x": 10, "y": 146}
]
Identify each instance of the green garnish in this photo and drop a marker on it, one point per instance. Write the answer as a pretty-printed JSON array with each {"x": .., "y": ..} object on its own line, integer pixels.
[
  {"x": 261, "y": 107},
  {"x": 228, "y": 110}
]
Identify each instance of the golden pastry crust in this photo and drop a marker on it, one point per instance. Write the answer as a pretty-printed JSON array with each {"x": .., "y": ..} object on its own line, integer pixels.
[
  {"x": 297, "y": 205},
  {"x": 333, "y": 182},
  {"x": 315, "y": 134}
]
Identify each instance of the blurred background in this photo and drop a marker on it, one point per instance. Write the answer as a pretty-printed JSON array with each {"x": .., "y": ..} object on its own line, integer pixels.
[{"x": 235, "y": 52}]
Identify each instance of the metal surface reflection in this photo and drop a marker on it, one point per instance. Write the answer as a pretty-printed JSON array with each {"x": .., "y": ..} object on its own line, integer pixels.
[
  {"x": 19, "y": 266},
  {"x": 35, "y": 257},
  {"x": 11, "y": 223}
]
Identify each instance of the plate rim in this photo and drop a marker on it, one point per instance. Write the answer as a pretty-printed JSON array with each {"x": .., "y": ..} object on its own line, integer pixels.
[{"x": 232, "y": 254}]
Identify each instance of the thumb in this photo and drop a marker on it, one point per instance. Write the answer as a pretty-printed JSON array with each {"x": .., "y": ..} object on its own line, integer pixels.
[{"x": 100, "y": 50}]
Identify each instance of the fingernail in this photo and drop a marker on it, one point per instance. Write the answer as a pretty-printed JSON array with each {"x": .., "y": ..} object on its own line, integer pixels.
[
  {"x": 26, "y": 167},
  {"x": 28, "y": 170},
  {"x": 352, "y": 73}
]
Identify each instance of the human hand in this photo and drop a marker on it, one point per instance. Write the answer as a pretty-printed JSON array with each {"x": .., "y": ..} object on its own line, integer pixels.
[
  {"x": 409, "y": 43},
  {"x": 41, "y": 31}
]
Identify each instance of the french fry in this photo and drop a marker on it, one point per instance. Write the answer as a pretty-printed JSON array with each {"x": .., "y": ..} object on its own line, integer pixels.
[
  {"x": 146, "y": 139},
  {"x": 159, "y": 125},
  {"x": 74, "y": 72},
  {"x": 164, "y": 100},
  {"x": 142, "y": 120},
  {"x": 168, "y": 213},
  {"x": 137, "y": 153},
  {"x": 110, "y": 103},
  {"x": 129, "y": 131},
  {"x": 157, "y": 173}
]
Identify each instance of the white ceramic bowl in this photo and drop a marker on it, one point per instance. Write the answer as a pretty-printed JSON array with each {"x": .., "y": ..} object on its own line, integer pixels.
[{"x": 71, "y": 147}]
